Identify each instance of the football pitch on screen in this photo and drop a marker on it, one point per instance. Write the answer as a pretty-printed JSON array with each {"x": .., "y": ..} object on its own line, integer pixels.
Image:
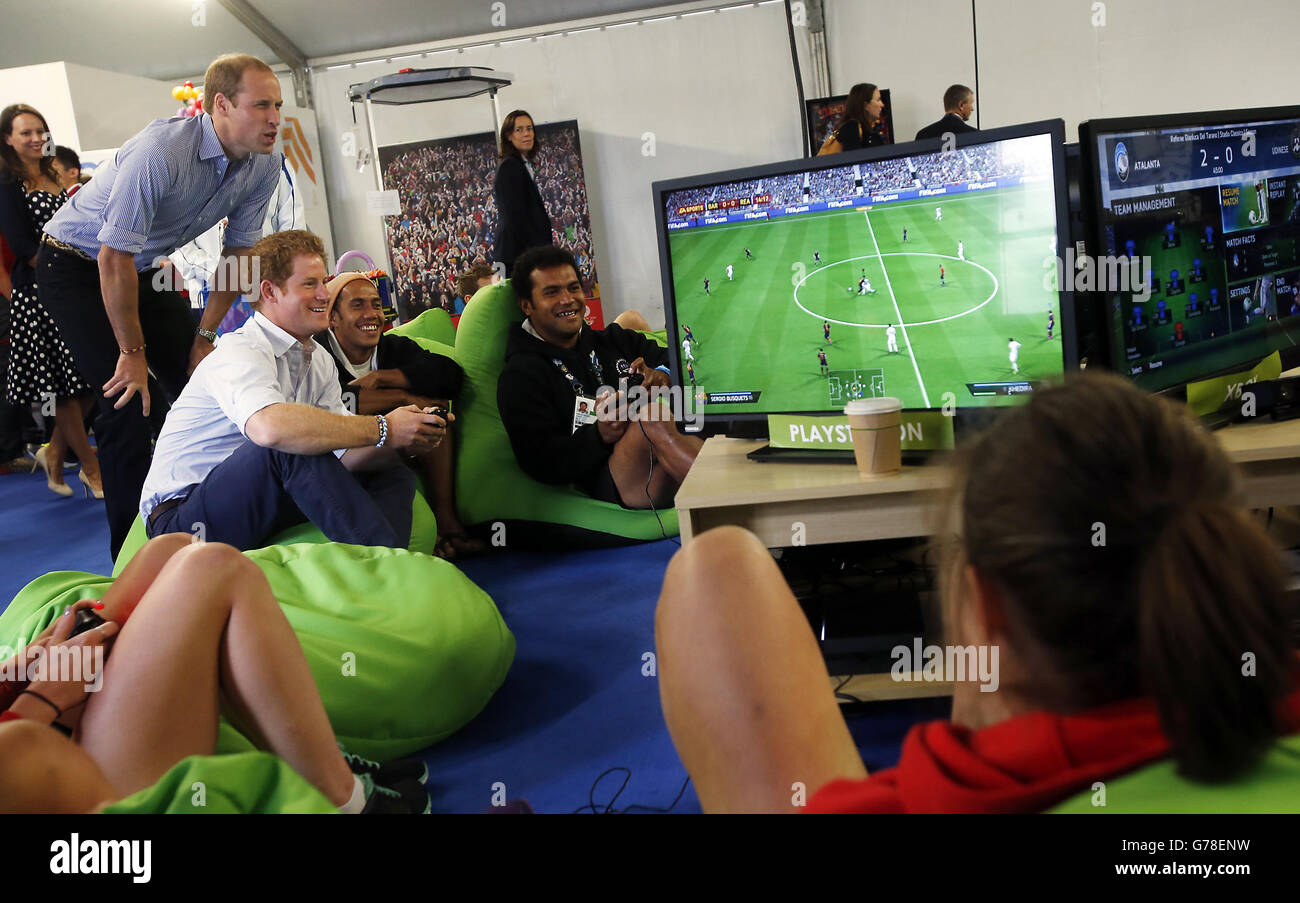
[{"x": 762, "y": 329}]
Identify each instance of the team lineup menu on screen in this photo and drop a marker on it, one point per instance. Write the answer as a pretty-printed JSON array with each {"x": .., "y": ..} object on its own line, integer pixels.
[
  {"x": 927, "y": 276},
  {"x": 1216, "y": 212}
]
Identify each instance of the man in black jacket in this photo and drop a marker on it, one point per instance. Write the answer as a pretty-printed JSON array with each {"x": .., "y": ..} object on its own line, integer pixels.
[
  {"x": 554, "y": 364},
  {"x": 958, "y": 104},
  {"x": 380, "y": 371}
]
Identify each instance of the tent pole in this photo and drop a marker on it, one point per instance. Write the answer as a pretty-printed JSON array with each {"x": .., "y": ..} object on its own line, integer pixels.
[{"x": 379, "y": 183}]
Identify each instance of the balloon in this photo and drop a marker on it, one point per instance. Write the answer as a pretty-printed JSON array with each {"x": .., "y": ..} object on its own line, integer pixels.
[
  {"x": 177, "y": 93},
  {"x": 198, "y": 104}
]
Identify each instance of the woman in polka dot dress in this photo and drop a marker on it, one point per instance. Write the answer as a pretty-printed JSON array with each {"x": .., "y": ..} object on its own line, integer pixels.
[{"x": 41, "y": 368}]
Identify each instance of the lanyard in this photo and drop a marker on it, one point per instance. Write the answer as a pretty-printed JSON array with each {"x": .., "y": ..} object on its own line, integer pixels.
[{"x": 594, "y": 364}]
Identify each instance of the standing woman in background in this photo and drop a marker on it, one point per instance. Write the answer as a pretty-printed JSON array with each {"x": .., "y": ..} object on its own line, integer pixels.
[
  {"x": 523, "y": 222},
  {"x": 862, "y": 121},
  {"x": 40, "y": 365}
]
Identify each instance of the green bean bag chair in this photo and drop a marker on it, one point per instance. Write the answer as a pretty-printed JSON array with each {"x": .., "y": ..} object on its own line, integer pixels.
[
  {"x": 490, "y": 487},
  {"x": 404, "y": 648},
  {"x": 424, "y": 534},
  {"x": 1272, "y": 786},
  {"x": 252, "y": 783},
  {"x": 434, "y": 324}
]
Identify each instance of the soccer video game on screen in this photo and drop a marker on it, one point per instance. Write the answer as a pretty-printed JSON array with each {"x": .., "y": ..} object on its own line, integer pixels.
[
  {"x": 912, "y": 277},
  {"x": 1214, "y": 214}
]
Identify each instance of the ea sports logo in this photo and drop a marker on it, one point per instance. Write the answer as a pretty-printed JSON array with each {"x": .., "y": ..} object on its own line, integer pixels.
[{"x": 1121, "y": 161}]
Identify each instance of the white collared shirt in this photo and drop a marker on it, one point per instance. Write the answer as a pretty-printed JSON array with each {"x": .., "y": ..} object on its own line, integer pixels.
[
  {"x": 255, "y": 366},
  {"x": 357, "y": 370}
]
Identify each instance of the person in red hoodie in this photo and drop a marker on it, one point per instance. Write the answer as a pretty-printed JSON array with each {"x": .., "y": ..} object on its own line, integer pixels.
[{"x": 1096, "y": 539}]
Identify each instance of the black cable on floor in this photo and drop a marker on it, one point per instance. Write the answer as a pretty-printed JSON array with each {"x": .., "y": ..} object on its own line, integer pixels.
[{"x": 609, "y": 807}]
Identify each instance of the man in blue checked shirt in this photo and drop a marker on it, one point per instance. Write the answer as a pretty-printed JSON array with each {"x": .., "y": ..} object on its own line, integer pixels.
[{"x": 99, "y": 262}]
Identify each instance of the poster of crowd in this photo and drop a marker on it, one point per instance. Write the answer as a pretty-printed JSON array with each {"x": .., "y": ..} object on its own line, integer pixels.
[{"x": 448, "y": 216}]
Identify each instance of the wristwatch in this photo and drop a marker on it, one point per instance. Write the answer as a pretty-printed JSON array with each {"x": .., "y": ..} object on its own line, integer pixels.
[{"x": 209, "y": 334}]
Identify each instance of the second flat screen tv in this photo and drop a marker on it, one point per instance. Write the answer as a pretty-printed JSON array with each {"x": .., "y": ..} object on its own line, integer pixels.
[{"x": 1206, "y": 206}]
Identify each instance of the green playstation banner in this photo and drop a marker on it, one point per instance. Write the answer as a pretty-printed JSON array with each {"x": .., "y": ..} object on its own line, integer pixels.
[
  {"x": 1209, "y": 395},
  {"x": 921, "y": 430}
]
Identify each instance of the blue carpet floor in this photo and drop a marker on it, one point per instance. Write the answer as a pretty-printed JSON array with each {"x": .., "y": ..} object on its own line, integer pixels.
[
  {"x": 42, "y": 532},
  {"x": 575, "y": 704}
]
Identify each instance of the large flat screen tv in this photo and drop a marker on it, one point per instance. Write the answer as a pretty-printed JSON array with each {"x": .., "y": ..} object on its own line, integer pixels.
[{"x": 911, "y": 271}]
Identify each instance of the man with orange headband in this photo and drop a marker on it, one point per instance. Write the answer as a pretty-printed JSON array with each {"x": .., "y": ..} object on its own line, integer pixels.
[{"x": 379, "y": 371}]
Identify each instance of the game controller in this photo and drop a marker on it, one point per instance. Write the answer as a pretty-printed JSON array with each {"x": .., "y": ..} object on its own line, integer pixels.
[
  {"x": 440, "y": 412},
  {"x": 85, "y": 619}
]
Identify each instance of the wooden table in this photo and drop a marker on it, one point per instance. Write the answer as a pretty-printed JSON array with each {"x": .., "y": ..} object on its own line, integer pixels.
[{"x": 788, "y": 504}]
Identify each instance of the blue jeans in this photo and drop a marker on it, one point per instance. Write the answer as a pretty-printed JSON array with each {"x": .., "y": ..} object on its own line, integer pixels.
[{"x": 257, "y": 492}]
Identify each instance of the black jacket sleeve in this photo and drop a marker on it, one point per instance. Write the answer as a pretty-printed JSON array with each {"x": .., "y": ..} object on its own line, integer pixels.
[
  {"x": 512, "y": 193},
  {"x": 539, "y": 419},
  {"x": 432, "y": 375},
  {"x": 632, "y": 345},
  {"x": 524, "y": 222},
  {"x": 16, "y": 226}
]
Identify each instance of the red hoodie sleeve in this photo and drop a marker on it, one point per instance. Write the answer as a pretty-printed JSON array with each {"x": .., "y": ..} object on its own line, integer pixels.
[{"x": 877, "y": 794}]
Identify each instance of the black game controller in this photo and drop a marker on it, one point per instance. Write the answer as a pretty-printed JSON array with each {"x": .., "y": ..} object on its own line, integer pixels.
[
  {"x": 634, "y": 379},
  {"x": 85, "y": 619},
  {"x": 440, "y": 412}
]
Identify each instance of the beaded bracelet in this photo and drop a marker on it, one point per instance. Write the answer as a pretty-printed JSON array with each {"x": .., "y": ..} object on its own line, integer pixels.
[
  {"x": 383, "y": 431},
  {"x": 139, "y": 347}
]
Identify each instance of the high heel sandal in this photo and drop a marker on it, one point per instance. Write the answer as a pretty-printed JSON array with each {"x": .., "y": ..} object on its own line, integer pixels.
[
  {"x": 90, "y": 487},
  {"x": 60, "y": 488}
]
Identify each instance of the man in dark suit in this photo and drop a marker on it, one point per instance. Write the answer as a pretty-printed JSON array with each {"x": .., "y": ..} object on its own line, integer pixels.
[{"x": 958, "y": 104}]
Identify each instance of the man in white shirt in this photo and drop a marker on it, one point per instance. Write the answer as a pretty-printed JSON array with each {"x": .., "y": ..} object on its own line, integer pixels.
[
  {"x": 1013, "y": 347},
  {"x": 260, "y": 438}
]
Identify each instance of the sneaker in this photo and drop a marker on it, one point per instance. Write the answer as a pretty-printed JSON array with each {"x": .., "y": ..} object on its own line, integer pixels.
[
  {"x": 388, "y": 773},
  {"x": 403, "y": 798}
]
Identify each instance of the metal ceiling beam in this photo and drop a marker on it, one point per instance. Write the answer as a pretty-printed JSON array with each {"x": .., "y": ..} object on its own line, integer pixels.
[{"x": 278, "y": 41}]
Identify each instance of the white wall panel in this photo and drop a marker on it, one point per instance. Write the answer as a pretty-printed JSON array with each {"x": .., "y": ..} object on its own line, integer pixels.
[{"x": 714, "y": 91}]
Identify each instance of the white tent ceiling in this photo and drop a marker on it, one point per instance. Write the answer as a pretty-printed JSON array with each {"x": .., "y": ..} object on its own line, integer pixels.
[{"x": 163, "y": 38}]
